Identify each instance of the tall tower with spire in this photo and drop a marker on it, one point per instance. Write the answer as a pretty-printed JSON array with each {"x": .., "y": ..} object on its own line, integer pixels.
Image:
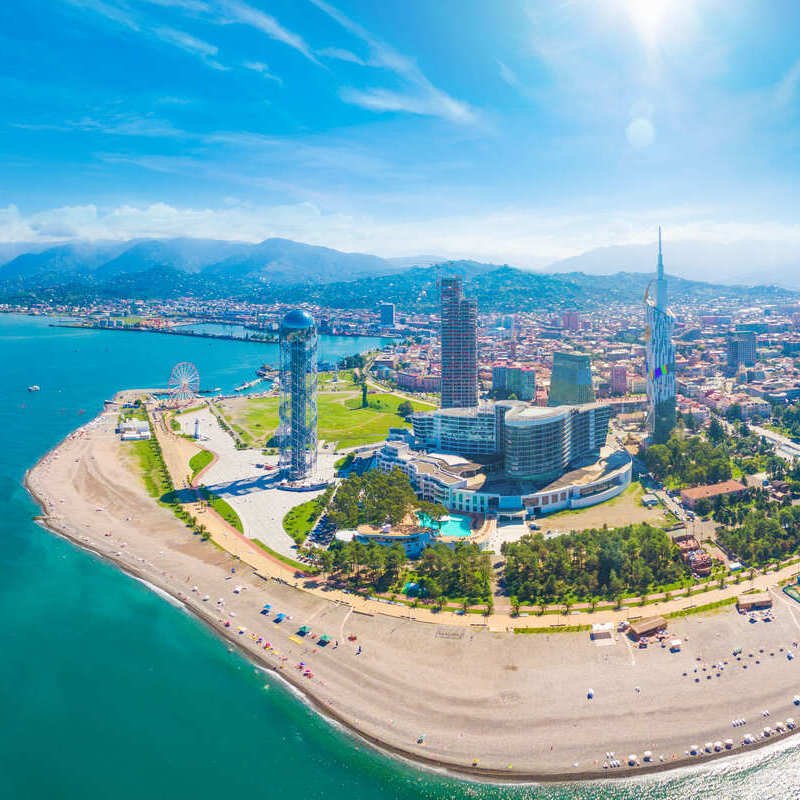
[{"x": 660, "y": 357}]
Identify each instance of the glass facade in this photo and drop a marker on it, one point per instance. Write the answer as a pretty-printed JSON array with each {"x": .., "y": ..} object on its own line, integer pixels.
[{"x": 571, "y": 380}]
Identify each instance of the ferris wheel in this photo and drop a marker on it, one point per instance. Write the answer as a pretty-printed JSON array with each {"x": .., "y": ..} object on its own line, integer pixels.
[{"x": 184, "y": 382}]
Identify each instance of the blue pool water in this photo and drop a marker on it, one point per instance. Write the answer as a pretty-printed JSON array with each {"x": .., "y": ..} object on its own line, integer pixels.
[{"x": 451, "y": 525}]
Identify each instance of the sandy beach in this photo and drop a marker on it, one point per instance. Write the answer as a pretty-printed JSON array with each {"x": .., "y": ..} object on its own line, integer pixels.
[{"x": 481, "y": 702}]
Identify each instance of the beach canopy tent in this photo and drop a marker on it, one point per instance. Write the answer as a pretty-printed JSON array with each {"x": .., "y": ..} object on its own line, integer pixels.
[
  {"x": 753, "y": 602},
  {"x": 304, "y": 630},
  {"x": 647, "y": 626},
  {"x": 280, "y": 617},
  {"x": 324, "y": 639}
]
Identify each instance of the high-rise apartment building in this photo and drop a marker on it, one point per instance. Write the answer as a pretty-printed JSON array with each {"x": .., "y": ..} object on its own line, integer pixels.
[
  {"x": 513, "y": 380},
  {"x": 659, "y": 358},
  {"x": 742, "y": 349},
  {"x": 459, "y": 341},
  {"x": 619, "y": 380},
  {"x": 571, "y": 380},
  {"x": 571, "y": 321},
  {"x": 386, "y": 311}
]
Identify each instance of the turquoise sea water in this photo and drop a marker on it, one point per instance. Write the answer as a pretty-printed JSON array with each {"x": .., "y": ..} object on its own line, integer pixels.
[{"x": 108, "y": 691}]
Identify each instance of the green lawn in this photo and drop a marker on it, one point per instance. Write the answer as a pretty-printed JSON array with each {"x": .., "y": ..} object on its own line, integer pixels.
[
  {"x": 341, "y": 418},
  {"x": 300, "y": 519},
  {"x": 225, "y": 511},
  {"x": 290, "y": 562},
  {"x": 152, "y": 466},
  {"x": 200, "y": 461}
]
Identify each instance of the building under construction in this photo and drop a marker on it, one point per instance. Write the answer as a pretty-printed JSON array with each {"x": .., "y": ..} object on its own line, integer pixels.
[{"x": 459, "y": 340}]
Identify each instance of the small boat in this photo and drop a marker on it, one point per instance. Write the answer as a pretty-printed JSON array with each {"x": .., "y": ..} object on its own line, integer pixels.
[{"x": 34, "y": 388}]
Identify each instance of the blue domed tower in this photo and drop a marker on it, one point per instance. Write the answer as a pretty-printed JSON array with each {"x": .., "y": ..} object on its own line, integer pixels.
[{"x": 298, "y": 402}]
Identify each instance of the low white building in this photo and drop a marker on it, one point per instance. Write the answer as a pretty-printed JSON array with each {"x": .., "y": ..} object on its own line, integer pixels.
[{"x": 134, "y": 430}]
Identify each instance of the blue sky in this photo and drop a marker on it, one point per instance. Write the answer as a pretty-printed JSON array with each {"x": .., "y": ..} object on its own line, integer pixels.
[{"x": 518, "y": 131}]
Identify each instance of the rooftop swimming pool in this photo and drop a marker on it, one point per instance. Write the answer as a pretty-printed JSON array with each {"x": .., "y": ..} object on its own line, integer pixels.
[{"x": 451, "y": 525}]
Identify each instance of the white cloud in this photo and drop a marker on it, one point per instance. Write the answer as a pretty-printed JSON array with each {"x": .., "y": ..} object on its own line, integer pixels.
[
  {"x": 196, "y": 6},
  {"x": 786, "y": 89},
  {"x": 122, "y": 15},
  {"x": 191, "y": 44},
  {"x": 262, "y": 69},
  {"x": 420, "y": 96},
  {"x": 110, "y": 11},
  {"x": 508, "y": 75},
  {"x": 145, "y": 125},
  {"x": 247, "y": 15},
  {"x": 341, "y": 54},
  {"x": 433, "y": 103}
]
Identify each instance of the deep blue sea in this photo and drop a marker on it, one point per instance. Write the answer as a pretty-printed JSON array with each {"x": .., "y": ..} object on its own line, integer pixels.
[{"x": 107, "y": 691}]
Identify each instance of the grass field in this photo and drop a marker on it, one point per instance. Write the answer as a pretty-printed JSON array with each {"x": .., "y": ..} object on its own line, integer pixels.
[
  {"x": 225, "y": 511},
  {"x": 341, "y": 417},
  {"x": 300, "y": 519},
  {"x": 200, "y": 461},
  {"x": 290, "y": 562},
  {"x": 625, "y": 509},
  {"x": 151, "y": 466}
]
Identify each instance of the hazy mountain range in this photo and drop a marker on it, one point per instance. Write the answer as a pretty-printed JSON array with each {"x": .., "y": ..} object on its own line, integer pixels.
[
  {"x": 746, "y": 263},
  {"x": 282, "y": 269}
]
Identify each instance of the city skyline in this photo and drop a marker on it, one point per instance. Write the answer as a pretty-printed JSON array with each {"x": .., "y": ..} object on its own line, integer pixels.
[{"x": 537, "y": 133}]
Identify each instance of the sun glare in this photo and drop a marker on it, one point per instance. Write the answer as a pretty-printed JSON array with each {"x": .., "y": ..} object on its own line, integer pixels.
[
  {"x": 647, "y": 17},
  {"x": 652, "y": 18}
]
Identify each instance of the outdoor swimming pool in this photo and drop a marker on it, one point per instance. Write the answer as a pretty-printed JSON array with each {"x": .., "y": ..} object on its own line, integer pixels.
[{"x": 451, "y": 525}]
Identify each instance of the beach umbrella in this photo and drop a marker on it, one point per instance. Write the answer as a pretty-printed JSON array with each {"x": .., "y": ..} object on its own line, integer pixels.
[
  {"x": 728, "y": 744},
  {"x": 694, "y": 749},
  {"x": 632, "y": 760},
  {"x": 590, "y": 694},
  {"x": 267, "y": 606},
  {"x": 647, "y": 755}
]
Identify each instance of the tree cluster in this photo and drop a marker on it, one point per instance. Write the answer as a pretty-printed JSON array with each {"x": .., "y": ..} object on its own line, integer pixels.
[
  {"x": 691, "y": 461},
  {"x": 461, "y": 571},
  {"x": 788, "y": 418},
  {"x": 764, "y": 535},
  {"x": 373, "y": 498},
  {"x": 591, "y": 564},
  {"x": 441, "y": 572}
]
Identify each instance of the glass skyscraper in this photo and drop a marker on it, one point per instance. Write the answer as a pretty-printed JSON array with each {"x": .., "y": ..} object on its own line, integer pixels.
[
  {"x": 571, "y": 380},
  {"x": 660, "y": 358}
]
